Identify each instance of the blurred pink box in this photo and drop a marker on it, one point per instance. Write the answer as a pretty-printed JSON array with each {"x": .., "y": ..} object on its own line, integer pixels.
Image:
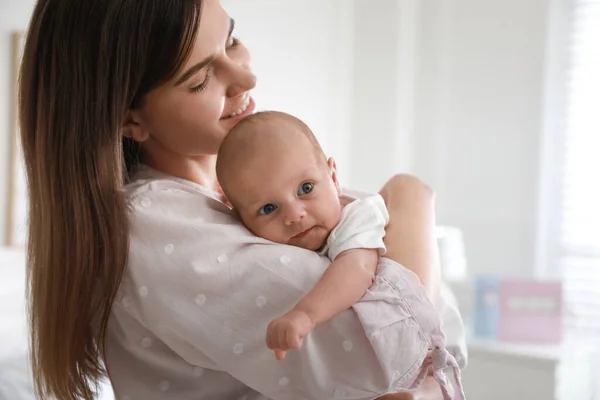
[{"x": 530, "y": 311}]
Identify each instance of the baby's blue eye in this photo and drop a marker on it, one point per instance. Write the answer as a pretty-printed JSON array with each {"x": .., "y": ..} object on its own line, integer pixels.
[
  {"x": 267, "y": 209},
  {"x": 305, "y": 188}
]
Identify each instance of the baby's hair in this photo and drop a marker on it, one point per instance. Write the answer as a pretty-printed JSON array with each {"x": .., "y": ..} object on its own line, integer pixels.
[{"x": 240, "y": 138}]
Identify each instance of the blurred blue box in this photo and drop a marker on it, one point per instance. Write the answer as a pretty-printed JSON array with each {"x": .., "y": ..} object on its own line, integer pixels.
[{"x": 487, "y": 306}]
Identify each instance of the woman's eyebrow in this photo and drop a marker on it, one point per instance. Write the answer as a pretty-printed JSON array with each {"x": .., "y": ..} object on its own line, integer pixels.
[{"x": 197, "y": 67}]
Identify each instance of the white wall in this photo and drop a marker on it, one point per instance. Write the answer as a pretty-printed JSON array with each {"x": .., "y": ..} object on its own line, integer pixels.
[
  {"x": 14, "y": 16},
  {"x": 380, "y": 143},
  {"x": 303, "y": 57},
  {"x": 453, "y": 91},
  {"x": 478, "y": 123}
]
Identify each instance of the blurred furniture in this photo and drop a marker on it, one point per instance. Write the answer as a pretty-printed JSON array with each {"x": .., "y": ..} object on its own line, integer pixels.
[
  {"x": 15, "y": 374},
  {"x": 500, "y": 371},
  {"x": 453, "y": 258}
]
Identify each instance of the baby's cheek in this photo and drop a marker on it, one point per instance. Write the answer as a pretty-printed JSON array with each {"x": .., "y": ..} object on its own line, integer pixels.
[
  {"x": 270, "y": 231},
  {"x": 334, "y": 217}
]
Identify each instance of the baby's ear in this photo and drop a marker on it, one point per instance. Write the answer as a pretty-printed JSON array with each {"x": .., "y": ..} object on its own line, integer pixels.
[
  {"x": 236, "y": 213},
  {"x": 333, "y": 171}
]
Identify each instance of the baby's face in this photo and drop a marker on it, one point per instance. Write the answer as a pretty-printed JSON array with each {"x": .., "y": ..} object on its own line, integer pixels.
[{"x": 289, "y": 197}]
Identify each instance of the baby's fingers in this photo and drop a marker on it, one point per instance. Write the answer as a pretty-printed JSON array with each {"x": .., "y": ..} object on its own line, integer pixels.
[
  {"x": 281, "y": 340},
  {"x": 293, "y": 340},
  {"x": 280, "y": 354},
  {"x": 271, "y": 338}
]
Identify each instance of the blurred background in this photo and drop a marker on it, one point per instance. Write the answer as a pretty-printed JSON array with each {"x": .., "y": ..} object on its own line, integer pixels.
[{"x": 495, "y": 104}]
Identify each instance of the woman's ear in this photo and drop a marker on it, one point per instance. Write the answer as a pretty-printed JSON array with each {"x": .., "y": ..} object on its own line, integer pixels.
[
  {"x": 133, "y": 129},
  {"x": 333, "y": 170}
]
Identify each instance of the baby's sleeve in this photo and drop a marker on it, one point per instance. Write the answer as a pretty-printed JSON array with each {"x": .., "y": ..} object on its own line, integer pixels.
[
  {"x": 208, "y": 289},
  {"x": 362, "y": 226}
]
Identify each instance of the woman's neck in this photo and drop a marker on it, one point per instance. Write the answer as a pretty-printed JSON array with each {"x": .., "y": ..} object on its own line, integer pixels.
[{"x": 199, "y": 169}]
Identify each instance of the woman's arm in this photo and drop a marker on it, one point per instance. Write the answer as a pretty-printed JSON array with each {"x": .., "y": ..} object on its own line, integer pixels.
[
  {"x": 410, "y": 241},
  {"x": 410, "y": 235}
]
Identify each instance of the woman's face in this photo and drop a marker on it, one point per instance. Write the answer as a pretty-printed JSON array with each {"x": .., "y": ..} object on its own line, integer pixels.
[{"x": 189, "y": 116}]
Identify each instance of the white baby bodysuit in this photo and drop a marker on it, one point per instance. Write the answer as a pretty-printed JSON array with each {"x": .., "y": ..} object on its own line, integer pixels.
[{"x": 361, "y": 226}]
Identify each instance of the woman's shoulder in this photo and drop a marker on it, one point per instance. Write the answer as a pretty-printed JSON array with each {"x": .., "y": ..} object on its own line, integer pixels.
[
  {"x": 145, "y": 181},
  {"x": 161, "y": 207}
]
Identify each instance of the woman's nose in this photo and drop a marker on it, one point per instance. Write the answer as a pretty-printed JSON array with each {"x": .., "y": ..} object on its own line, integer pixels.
[
  {"x": 241, "y": 78},
  {"x": 294, "y": 214}
]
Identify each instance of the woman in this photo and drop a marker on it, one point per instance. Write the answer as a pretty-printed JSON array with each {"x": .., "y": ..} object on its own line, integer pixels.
[{"x": 134, "y": 259}]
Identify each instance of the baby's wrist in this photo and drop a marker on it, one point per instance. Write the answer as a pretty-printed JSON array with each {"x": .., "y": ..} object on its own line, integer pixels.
[{"x": 305, "y": 313}]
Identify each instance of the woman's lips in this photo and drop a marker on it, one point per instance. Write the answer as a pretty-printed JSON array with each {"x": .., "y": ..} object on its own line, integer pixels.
[{"x": 249, "y": 110}]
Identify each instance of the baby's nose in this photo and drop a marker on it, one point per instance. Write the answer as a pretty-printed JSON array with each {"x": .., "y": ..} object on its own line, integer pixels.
[{"x": 294, "y": 214}]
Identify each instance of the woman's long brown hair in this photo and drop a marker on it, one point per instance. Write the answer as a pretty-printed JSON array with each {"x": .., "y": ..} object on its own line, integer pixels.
[{"x": 86, "y": 63}]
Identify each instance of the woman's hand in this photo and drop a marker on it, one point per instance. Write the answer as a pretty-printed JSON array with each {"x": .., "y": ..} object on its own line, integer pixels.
[{"x": 429, "y": 390}]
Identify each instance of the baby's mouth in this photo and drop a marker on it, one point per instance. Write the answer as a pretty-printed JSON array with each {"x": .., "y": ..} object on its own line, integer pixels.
[{"x": 301, "y": 234}]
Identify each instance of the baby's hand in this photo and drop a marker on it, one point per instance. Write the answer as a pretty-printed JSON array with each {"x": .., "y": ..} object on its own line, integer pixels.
[{"x": 287, "y": 332}]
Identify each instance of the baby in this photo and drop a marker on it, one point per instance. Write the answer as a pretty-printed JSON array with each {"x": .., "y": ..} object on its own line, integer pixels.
[{"x": 279, "y": 181}]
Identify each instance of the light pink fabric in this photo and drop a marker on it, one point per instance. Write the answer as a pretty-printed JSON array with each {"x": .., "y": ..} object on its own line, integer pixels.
[{"x": 190, "y": 318}]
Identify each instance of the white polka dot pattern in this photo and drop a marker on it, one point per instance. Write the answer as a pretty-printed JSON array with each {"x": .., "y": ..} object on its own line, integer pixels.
[
  {"x": 200, "y": 300},
  {"x": 285, "y": 259},
  {"x": 164, "y": 386},
  {"x": 174, "y": 249},
  {"x": 347, "y": 345},
  {"x": 238, "y": 349},
  {"x": 284, "y": 381},
  {"x": 261, "y": 301}
]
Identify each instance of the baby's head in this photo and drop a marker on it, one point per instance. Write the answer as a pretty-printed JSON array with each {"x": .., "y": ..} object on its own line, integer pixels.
[{"x": 278, "y": 179}]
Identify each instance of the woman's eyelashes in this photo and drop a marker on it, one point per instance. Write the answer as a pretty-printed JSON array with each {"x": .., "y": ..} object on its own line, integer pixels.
[
  {"x": 203, "y": 84},
  {"x": 232, "y": 43}
]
